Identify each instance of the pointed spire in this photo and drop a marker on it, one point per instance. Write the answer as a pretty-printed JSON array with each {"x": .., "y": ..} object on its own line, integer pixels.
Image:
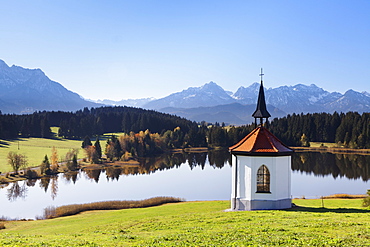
[{"x": 261, "y": 110}]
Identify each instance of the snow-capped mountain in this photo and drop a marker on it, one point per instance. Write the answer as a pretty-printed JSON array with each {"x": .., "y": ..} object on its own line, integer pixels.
[
  {"x": 210, "y": 94},
  {"x": 28, "y": 90},
  {"x": 290, "y": 99},
  {"x": 124, "y": 102},
  {"x": 350, "y": 101}
]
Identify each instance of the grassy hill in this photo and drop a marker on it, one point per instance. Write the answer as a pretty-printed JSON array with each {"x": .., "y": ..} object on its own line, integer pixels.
[{"x": 341, "y": 223}]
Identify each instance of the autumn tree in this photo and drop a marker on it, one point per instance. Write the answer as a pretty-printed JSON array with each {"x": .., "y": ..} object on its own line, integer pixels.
[
  {"x": 304, "y": 141},
  {"x": 54, "y": 160},
  {"x": 71, "y": 159},
  {"x": 91, "y": 154}
]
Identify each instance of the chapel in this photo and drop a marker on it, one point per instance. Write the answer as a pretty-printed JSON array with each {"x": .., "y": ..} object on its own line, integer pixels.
[{"x": 261, "y": 166}]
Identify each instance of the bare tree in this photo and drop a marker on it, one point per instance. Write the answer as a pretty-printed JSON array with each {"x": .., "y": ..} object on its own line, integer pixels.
[{"x": 17, "y": 161}]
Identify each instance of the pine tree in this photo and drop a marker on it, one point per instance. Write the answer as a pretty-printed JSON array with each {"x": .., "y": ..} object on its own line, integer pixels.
[
  {"x": 86, "y": 142},
  {"x": 98, "y": 148},
  {"x": 45, "y": 166}
]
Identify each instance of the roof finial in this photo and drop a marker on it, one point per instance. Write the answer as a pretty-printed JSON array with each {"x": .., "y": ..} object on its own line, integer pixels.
[{"x": 262, "y": 74}]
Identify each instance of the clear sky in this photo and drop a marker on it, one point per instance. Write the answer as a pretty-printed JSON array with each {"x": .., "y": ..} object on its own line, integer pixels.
[{"x": 135, "y": 49}]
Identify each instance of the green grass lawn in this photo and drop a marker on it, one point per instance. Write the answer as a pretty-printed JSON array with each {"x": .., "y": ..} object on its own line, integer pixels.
[
  {"x": 36, "y": 148},
  {"x": 340, "y": 223}
]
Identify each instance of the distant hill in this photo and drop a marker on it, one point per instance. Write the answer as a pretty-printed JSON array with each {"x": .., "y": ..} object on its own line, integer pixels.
[
  {"x": 28, "y": 90},
  {"x": 235, "y": 113}
]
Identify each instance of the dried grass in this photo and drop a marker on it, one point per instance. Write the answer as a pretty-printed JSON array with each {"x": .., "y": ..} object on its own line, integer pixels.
[
  {"x": 344, "y": 196},
  {"x": 2, "y": 226},
  {"x": 52, "y": 212}
]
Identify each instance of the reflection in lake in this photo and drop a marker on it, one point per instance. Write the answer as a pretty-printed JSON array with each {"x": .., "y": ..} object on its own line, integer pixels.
[
  {"x": 352, "y": 166},
  {"x": 216, "y": 159},
  {"x": 192, "y": 176},
  {"x": 16, "y": 191}
]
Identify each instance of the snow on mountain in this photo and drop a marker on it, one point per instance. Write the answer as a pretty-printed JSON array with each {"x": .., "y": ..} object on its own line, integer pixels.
[
  {"x": 210, "y": 94},
  {"x": 124, "y": 102},
  {"x": 288, "y": 99},
  {"x": 28, "y": 90}
]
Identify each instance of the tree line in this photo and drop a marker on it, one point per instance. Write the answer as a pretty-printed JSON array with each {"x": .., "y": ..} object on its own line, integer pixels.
[
  {"x": 347, "y": 129},
  {"x": 93, "y": 121}
]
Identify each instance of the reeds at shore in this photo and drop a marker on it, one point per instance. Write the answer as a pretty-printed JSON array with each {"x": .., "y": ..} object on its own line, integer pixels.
[
  {"x": 67, "y": 210},
  {"x": 344, "y": 196}
]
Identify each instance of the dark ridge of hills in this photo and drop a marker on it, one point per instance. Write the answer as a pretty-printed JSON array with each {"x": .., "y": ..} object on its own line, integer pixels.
[{"x": 235, "y": 113}]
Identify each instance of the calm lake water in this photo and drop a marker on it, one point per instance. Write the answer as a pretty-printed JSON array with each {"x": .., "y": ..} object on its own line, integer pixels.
[{"x": 203, "y": 176}]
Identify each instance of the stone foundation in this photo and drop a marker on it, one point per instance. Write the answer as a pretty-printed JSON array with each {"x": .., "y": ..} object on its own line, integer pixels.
[{"x": 247, "y": 205}]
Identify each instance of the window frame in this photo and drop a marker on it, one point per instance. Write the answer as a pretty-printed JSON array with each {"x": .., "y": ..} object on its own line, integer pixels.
[{"x": 263, "y": 179}]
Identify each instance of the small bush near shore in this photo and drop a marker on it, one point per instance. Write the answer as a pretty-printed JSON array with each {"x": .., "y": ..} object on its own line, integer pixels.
[
  {"x": 52, "y": 212},
  {"x": 366, "y": 201}
]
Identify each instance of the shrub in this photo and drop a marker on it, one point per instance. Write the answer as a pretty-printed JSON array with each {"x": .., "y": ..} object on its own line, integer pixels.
[
  {"x": 2, "y": 226},
  {"x": 31, "y": 173},
  {"x": 366, "y": 201}
]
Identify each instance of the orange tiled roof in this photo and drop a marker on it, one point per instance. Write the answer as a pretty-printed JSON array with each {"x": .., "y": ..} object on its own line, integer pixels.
[{"x": 260, "y": 141}]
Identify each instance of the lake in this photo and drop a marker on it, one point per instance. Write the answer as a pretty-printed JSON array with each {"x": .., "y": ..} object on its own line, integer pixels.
[{"x": 199, "y": 176}]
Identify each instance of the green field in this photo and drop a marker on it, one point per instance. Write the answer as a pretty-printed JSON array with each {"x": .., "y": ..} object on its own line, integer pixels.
[
  {"x": 340, "y": 223},
  {"x": 326, "y": 144},
  {"x": 36, "y": 148}
]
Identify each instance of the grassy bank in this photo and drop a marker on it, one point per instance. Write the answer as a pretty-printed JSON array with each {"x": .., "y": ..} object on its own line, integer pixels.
[{"x": 341, "y": 223}]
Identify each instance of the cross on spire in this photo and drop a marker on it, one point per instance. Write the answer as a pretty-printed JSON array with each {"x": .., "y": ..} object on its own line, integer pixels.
[{"x": 262, "y": 74}]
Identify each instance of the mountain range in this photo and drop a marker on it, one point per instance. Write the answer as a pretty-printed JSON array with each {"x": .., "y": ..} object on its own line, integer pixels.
[
  {"x": 28, "y": 90},
  {"x": 211, "y": 103}
]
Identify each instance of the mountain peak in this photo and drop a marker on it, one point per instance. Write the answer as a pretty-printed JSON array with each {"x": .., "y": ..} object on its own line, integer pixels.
[{"x": 31, "y": 89}]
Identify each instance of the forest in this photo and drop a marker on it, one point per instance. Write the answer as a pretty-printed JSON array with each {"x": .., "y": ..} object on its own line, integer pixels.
[
  {"x": 349, "y": 129},
  {"x": 148, "y": 132}
]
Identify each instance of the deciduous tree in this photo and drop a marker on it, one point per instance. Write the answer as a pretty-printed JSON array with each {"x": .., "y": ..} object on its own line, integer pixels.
[{"x": 17, "y": 161}]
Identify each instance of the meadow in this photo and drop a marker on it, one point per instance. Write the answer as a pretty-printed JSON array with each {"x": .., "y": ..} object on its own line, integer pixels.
[
  {"x": 36, "y": 148},
  {"x": 342, "y": 222}
]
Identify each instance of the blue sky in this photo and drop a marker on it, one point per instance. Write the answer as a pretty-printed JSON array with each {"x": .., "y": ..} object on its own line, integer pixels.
[{"x": 136, "y": 49}]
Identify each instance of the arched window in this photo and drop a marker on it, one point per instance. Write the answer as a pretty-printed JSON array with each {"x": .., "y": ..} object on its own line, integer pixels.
[{"x": 263, "y": 180}]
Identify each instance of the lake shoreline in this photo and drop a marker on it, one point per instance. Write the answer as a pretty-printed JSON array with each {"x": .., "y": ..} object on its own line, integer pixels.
[
  {"x": 334, "y": 150},
  {"x": 9, "y": 177},
  {"x": 75, "y": 209}
]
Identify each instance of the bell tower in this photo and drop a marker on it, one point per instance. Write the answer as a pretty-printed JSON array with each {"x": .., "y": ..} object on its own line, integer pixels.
[{"x": 261, "y": 167}]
